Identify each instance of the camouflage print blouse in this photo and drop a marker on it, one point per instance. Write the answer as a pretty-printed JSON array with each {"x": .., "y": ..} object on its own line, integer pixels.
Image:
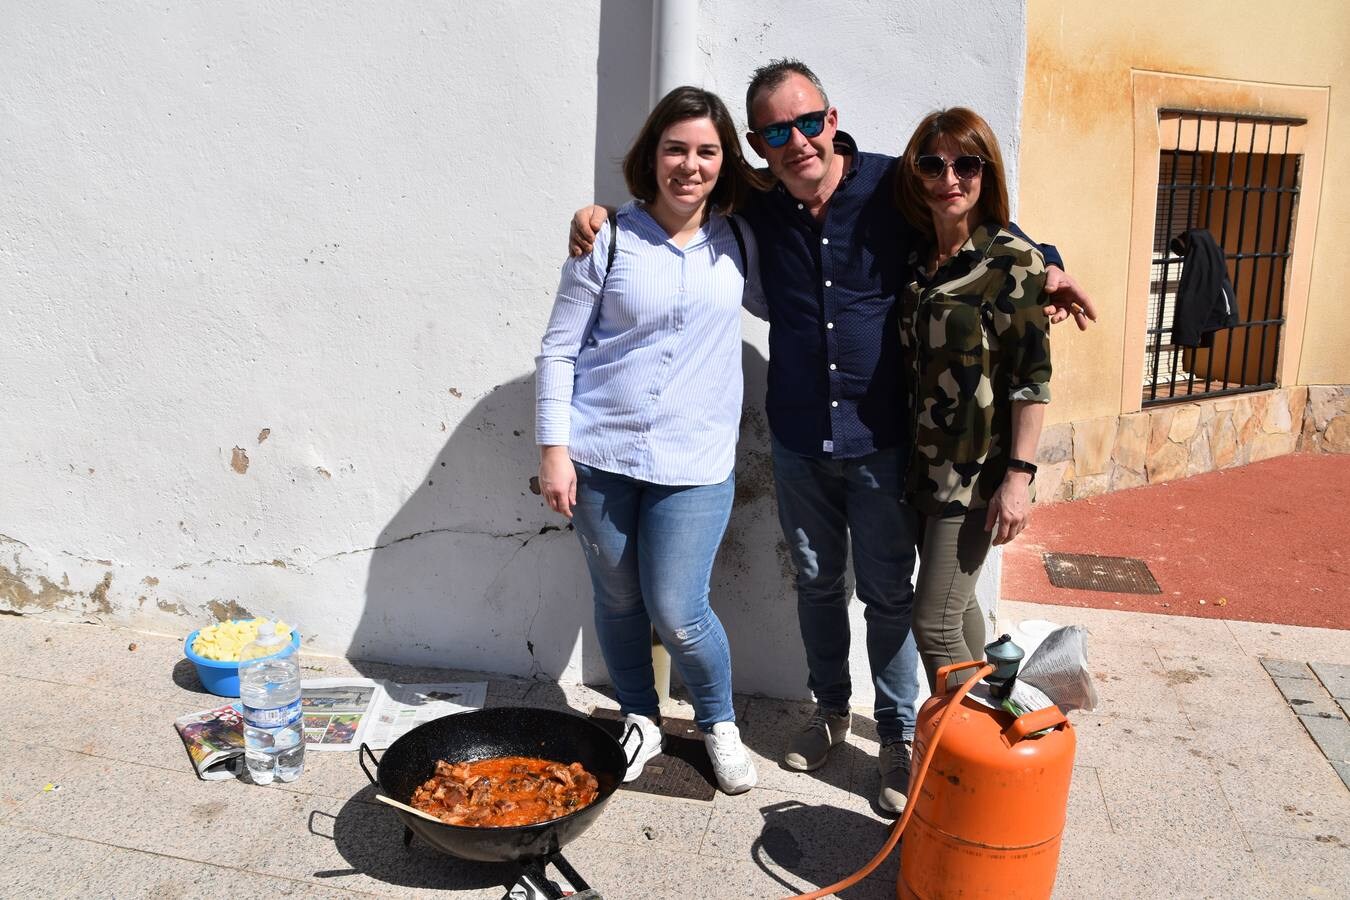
[{"x": 976, "y": 339}]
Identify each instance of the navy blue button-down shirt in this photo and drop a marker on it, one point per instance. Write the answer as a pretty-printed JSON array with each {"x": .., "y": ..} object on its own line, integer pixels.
[{"x": 837, "y": 388}]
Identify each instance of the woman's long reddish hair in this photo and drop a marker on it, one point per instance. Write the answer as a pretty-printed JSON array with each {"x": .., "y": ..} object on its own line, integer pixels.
[{"x": 972, "y": 134}]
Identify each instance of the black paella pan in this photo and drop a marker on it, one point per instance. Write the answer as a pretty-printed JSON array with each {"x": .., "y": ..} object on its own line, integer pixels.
[{"x": 486, "y": 733}]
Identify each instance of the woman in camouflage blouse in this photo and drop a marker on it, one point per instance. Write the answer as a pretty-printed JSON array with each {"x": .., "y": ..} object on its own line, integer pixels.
[{"x": 973, "y": 329}]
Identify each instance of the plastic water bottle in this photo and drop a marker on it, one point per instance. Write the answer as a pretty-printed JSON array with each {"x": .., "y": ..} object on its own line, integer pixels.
[{"x": 269, "y": 689}]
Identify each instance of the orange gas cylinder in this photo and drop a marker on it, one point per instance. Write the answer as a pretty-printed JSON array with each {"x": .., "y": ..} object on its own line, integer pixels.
[{"x": 990, "y": 812}]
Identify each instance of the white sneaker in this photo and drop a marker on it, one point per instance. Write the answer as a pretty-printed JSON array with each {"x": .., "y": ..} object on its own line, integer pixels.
[
  {"x": 642, "y": 740},
  {"x": 735, "y": 772}
]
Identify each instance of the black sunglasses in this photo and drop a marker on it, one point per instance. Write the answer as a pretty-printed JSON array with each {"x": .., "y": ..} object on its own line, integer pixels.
[
  {"x": 777, "y": 134},
  {"x": 931, "y": 166}
]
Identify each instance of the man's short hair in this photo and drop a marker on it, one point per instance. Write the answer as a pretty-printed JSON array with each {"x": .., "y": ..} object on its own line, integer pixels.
[{"x": 768, "y": 77}]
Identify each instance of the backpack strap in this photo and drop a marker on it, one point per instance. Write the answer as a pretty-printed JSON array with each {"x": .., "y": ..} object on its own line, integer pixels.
[
  {"x": 740, "y": 239},
  {"x": 614, "y": 245}
]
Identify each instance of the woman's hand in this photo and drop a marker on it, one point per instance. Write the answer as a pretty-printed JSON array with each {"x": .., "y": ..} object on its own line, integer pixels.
[
  {"x": 1009, "y": 508},
  {"x": 557, "y": 479}
]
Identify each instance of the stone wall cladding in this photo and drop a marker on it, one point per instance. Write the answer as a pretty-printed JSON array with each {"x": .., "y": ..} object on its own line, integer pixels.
[{"x": 1096, "y": 456}]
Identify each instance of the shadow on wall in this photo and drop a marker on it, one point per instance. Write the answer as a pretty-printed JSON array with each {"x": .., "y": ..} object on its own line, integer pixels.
[
  {"x": 473, "y": 572},
  {"x": 623, "y": 91}
]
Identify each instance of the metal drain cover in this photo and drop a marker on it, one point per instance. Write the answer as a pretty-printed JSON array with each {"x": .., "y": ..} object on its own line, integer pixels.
[
  {"x": 681, "y": 770},
  {"x": 1114, "y": 574}
]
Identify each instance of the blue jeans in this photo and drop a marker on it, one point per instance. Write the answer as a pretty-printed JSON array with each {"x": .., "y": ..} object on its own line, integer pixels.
[
  {"x": 650, "y": 550},
  {"x": 824, "y": 506}
]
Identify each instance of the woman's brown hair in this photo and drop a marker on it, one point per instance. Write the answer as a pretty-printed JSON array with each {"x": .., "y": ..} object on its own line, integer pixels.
[
  {"x": 973, "y": 135},
  {"x": 735, "y": 180}
]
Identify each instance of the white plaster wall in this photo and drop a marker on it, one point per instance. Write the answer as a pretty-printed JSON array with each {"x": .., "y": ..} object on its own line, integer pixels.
[{"x": 342, "y": 226}]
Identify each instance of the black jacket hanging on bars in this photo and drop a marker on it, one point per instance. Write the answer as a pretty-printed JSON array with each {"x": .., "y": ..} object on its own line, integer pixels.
[{"x": 1205, "y": 299}]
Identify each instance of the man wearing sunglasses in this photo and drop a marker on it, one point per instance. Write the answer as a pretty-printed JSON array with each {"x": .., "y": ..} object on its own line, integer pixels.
[{"x": 831, "y": 243}]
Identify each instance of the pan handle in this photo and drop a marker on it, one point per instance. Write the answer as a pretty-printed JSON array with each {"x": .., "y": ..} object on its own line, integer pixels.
[{"x": 360, "y": 758}]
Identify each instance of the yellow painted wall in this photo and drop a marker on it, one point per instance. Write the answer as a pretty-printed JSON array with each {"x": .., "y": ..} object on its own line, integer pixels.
[{"x": 1078, "y": 165}]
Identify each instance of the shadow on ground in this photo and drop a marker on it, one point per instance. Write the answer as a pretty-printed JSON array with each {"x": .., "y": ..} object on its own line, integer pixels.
[
  {"x": 370, "y": 837},
  {"x": 781, "y": 843}
]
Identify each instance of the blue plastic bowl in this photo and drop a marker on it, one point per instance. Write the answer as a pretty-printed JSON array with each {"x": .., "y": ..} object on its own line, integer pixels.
[{"x": 219, "y": 677}]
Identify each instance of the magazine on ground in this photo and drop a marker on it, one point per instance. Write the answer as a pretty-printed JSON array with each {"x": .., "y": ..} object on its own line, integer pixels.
[
  {"x": 338, "y": 714},
  {"x": 215, "y": 741}
]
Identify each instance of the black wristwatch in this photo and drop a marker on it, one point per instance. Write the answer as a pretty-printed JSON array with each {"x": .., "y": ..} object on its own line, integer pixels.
[{"x": 1021, "y": 465}]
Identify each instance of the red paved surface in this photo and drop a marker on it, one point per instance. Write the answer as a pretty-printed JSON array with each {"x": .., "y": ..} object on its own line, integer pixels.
[{"x": 1268, "y": 542}]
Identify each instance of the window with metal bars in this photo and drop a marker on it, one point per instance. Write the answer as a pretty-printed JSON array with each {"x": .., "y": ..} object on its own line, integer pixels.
[{"x": 1238, "y": 177}]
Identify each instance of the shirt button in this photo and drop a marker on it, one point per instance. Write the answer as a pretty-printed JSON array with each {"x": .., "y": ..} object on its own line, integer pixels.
[
  {"x": 824, "y": 240},
  {"x": 834, "y": 403},
  {"x": 833, "y": 367},
  {"x": 801, "y": 206},
  {"x": 829, "y": 283},
  {"x": 829, "y": 324}
]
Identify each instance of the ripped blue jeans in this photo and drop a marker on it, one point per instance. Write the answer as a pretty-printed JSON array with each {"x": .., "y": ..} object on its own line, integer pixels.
[{"x": 650, "y": 550}]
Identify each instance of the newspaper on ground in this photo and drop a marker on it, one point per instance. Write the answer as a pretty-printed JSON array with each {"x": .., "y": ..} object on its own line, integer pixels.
[
  {"x": 339, "y": 714},
  {"x": 344, "y": 713}
]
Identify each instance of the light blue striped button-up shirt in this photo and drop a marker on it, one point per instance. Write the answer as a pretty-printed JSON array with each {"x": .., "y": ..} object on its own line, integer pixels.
[{"x": 646, "y": 380}]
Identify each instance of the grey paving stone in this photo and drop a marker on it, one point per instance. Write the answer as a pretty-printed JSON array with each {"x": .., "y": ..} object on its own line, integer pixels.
[
  {"x": 1332, "y": 735},
  {"x": 1137, "y": 792},
  {"x": 1315, "y": 867},
  {"x": 1335, "y": 676},
  {"x": 34, "y": 864},
  {"x": 1289, "y": 641},
  {"x": 134, "y": 873},
  {"x": 1134, "y": 866},
  {"x": 26, "y": 770},
  {"x": 1297, "y": 801},
  {"x": 94, "y": 722},
  {"x": 1286, "y": 668},
  {"x": 1307, "y": 697},
  {"x": 55, "y": 651},
  {"x": 1133, "y": 683},
  {"x": 1104, "y": 741},
  {"x": 1343, "y": 770},
  {"x": 1277, "y": 743},
  {"x": 1344, "y": 704},
  {"x": 1206, "y": 682},
  {"x": 1087, "y": 805},
  {"x": 150, "y": 809},
  {"x": 647, "y": 821}
]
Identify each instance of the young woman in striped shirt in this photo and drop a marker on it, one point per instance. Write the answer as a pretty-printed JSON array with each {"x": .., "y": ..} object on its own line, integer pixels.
[{"x": 638, "y": 407}]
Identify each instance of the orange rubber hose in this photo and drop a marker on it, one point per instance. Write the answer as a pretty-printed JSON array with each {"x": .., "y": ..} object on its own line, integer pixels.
[{"x": 900, "y": 824}]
